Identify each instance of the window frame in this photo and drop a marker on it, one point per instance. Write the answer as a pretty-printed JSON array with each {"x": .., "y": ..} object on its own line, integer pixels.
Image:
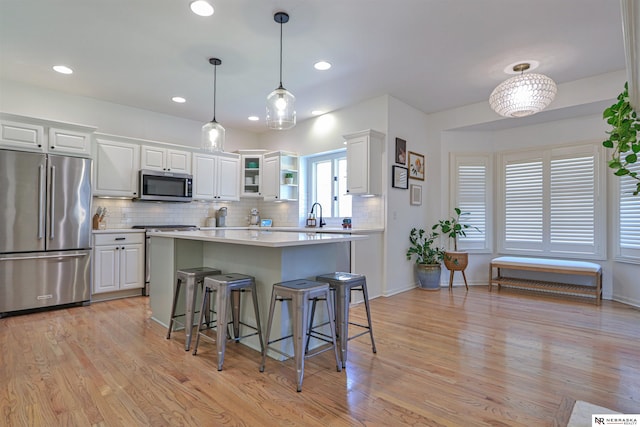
[
  {"x": 624, "y": 183},
  {"x": 333, "y": 156}
]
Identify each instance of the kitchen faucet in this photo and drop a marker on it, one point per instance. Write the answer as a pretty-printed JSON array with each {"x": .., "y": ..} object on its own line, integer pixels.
[{"x": 320, "y": 206}]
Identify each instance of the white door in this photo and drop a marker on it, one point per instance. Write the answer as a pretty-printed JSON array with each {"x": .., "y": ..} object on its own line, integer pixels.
[
  {"x": 358, "y": 165},
  {"x": 204, "y": 169},
  {"x": 106, "y": 261},
  {"x": 116, "y": 169},
  {"x": 270, "y": 178},
  {"x": 228, "y": 178},
  {"x": 131, "y": 262}
]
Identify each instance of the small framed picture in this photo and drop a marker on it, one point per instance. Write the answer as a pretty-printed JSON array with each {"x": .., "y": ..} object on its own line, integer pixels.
[
  {"x": 415, "y": 194},
  {"x": 401, "y": 151},
  {"x": 416, "y": 166},
  {"x": 399, "y": 177}
]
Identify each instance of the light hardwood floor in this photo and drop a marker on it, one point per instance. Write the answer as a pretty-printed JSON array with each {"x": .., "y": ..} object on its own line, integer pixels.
[{"x": 444, "y": 358}]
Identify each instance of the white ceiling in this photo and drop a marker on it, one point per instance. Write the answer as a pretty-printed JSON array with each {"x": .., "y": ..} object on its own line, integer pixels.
[{"x": 431, "y": 54}]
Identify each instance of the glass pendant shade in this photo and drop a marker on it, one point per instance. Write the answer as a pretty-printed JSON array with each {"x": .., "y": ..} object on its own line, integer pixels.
[
  {"x": 213, "y": 136},
  {"x": 523, "y": 95},
  {"x": 281, "y": 113}
]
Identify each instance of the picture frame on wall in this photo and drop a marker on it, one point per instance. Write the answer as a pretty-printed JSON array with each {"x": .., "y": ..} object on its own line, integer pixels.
[
  {"x": 399, "y": 177},
  {"x": 416, "y": 166},
  {"x": 401, "y": 151},
  {"x": 415, "y": 195}
]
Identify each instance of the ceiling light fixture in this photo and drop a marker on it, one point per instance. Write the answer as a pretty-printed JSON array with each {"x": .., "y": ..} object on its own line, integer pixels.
[
  {"x": 524, "y": 94},
  {"x": 62, "y": 69},
  {"x": 178, "y": 100},
  {"x": 213, "y": 132},
  {"x": 281, "y": 113},
  {"x": 253, "y": 118},
  {"x": 322, "y": 65},
  {"x": 201, "y": 8}
]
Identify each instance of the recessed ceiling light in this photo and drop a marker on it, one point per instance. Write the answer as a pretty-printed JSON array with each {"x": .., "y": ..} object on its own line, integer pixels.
[
  {"x": 322, "y": 65},
  {"x": 317, "y": 112},
  {"x": 254, "y": 118},
  {"x": 201, "y": 8},
  {"x": 62, "y": 69},
  {"x": 179, "y": 99}
]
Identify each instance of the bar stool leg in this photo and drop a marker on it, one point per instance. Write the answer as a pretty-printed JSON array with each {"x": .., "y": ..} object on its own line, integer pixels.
[
  {"x": 191, "y": 296},
  {"x": 300, "y": 317},
  {"x": 222, "y": 299},
  {"x": 365, "y": 294},
  {"x": 254, "y": 297},
  {"x": 272, "y": 307},
  {"x": 205, "y": 307},
  {"x": 342, "y": 321},
  {"x": 173, "y": 306},
  {"x": 332, "y": 326},
  {"x": 235, "y": 313}
]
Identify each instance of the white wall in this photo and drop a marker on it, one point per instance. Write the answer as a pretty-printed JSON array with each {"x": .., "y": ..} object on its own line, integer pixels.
[{"x": 116, "y": 119}]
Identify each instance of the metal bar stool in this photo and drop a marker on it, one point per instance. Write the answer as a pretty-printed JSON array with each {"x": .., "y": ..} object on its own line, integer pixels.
[
  {"x": 190, "y": 276},
  {"x": 228, "y": 289},
  {"x": 300, "y": 293},
  {"x": 343, "y": 284}
]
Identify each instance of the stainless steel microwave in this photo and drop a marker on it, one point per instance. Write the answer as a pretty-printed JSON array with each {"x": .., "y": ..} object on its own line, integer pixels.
[{"x": 164, "y": 186}]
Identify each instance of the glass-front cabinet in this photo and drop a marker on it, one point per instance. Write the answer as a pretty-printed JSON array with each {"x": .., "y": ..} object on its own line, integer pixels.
[{"x": 250, "y": 175}]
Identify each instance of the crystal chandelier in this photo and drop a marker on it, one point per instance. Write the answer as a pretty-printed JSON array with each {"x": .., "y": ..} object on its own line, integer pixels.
[
  {"x": 281, "y": 113},
  {"x": 213, "y": 132},
  {"x": 524, "y": 94}
]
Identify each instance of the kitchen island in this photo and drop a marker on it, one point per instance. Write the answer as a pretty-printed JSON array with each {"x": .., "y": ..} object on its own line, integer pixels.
[{"x": 269, "y": 256}]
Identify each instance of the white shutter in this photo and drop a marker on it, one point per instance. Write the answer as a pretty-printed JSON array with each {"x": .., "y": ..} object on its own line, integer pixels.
[
  {"x": 471, "y": 192},
  {"x": 572, "y": 205},
  {"x": 629, "y": 217},
  {"x": 552, "y": 202},
  {"x": 523, "y": 205}
]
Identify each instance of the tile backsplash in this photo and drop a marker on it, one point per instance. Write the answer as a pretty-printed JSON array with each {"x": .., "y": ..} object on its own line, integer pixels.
[{"x": 367, "y": 212}]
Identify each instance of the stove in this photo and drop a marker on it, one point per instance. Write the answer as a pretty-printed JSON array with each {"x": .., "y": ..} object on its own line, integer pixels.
[{"x": 147, "y": 260}]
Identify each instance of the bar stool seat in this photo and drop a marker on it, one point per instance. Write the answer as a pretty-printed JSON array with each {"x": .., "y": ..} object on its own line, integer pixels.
[
  {"x": 300, "y": 293},
  {"x": 343, "y": 283},
  {"x": 191, "y": 277},
  {"x": 228, "y": 289}
]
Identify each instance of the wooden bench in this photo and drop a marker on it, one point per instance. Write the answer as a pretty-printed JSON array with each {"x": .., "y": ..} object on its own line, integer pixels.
[{"x": 557, "y": 266}]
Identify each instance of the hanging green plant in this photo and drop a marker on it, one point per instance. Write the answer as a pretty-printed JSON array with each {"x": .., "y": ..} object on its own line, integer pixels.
[{"x": 623, "y": 137}]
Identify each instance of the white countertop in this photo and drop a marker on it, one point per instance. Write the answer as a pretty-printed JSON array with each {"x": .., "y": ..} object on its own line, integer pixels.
[
  {"x": 260, "y": 237},
  {"x": 117, "y": 230},
  {"x": 303, "y": 229}
]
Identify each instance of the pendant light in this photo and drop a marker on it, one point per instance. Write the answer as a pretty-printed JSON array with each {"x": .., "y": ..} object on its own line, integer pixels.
[
  {"x": 281, "y": 113},
  {"x": 524, "y": 94},
  {"x": 213, "y": 132}
]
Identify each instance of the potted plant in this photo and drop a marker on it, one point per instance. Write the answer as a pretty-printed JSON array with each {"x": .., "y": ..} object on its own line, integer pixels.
[
  {"x": 624, "y": 137},
  {"x": 454, "y": 260},
  {"x": 428, "y": 258},
  {"x": 288, "y": 178}
]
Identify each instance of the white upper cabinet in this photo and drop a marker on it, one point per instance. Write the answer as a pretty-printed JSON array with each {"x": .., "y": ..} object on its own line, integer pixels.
[
  {"x": 280, "y": 176},
  {"x": 116, "y": 168},
  {"x": 216, "y": 176},
  {"x": 165, "y": 159},
  {"x": 251, "y": 173},
  {"x": 29, "y": 134},
  {"x": 65, "y": 141},
  {"x": 364, "y": 162}
]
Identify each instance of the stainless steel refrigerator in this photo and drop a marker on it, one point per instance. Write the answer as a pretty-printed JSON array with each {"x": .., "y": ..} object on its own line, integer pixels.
[{"x": 45, "y": 230}]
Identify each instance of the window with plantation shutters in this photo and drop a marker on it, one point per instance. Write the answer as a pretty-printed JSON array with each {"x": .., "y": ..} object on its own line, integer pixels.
[
  {"x": 471, "y": 178},
  {"x": 552, "y": 202},
  {"x": 629, "y": 217}
]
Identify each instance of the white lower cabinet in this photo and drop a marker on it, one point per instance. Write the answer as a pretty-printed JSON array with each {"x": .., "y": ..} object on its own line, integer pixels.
[{"x": 118, "y": 261}]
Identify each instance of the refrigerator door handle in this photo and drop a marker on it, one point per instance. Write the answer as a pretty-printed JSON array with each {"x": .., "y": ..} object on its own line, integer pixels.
[
  {"x": 43, "y": 257},
  {"x": 51, "y": 203},
  {"x": 41, "y": 202}
]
